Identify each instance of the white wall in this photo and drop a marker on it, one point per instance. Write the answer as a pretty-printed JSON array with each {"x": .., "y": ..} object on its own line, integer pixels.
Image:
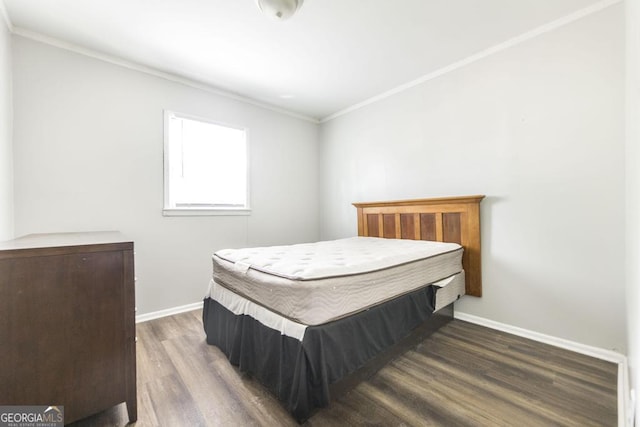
[
  {"x": 6, "y": 139},
  {"x": 633, "y": 191},
  {"x": 89, "y": 156},
  {"x": 538, "y": 128}
]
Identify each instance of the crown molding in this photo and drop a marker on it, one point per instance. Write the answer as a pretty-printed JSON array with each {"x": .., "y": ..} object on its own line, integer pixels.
[
  {"x": 5, "y": 16},
  {"x": 553, "y": 25},
  {"x": 153, "y": 71}
]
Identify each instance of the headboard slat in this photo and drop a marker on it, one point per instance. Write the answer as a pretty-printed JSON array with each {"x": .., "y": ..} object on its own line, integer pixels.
[
  {"x": 428, "y": 226},
  {"x": 451, "y": 229}
]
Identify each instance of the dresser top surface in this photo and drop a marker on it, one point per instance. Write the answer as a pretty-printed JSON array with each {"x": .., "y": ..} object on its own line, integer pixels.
[{"x": 57, "y": 240}]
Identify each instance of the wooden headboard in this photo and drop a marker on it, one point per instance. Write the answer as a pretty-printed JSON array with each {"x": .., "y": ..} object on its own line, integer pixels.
[{"x": 445, "y": 219}]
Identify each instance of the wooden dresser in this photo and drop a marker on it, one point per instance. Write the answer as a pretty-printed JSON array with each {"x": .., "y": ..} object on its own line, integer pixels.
[{"x": 67, "y": 322}]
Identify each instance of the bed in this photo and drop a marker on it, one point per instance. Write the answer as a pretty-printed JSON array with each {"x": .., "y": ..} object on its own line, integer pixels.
[{"x": 310, "y": 321}]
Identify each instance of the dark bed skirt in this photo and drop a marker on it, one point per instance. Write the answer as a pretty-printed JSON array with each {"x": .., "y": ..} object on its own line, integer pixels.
[{"x": 300, "y": 373}]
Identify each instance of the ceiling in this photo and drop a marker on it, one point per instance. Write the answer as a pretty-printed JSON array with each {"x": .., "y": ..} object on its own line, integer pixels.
[{"x": 331, "y": 55}]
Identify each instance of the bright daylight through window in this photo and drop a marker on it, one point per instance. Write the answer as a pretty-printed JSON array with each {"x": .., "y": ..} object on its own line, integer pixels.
[{"x": 206, "y": 167}]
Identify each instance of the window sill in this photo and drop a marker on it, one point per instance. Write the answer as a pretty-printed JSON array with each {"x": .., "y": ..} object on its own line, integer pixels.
[{"x": 205, "y": 212}]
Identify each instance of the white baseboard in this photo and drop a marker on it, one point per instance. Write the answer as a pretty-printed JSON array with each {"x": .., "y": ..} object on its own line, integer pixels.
[
  {"x": 168, "y": 312},
  {"x": 598, "y": 353}
]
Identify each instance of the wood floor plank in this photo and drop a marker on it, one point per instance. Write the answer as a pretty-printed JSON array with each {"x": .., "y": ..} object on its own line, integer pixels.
[
  {"x": 469, "y": 411},
  {"x": 153, "y": 361},
  {"x": 146, "y": 415},
  {"x": 463, "y": 375},
  {"x": 537, "y": 384},
  {"x": 354, "y": 409},
  {"x": 546, "y": 352},
  {"x": 210, "y": 394},
  {"x": 172, "y": 403},
  {"x": 549, "y": 362},
  {"x": 467, "y": 386},
  {"x": 388, "y": 398}
]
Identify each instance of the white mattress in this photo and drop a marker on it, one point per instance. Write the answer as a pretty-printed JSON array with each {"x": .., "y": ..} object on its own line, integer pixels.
[{"x": 319, "y": 282}]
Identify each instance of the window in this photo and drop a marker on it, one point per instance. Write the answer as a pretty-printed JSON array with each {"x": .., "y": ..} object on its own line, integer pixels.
[{"x": 205, "y": 167}]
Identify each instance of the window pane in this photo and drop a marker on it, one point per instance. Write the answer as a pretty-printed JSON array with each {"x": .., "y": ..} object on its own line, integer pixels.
[{"x": 207, "y": 164}]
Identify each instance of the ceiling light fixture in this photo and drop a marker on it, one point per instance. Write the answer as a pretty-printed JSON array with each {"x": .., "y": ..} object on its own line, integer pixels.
[{"x": 279, "y": 9}]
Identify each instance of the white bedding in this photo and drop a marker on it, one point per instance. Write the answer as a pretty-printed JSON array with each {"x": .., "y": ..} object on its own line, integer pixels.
[{"x": 319, "y": 282}]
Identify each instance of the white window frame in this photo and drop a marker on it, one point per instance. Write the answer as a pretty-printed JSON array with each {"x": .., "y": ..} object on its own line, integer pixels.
[{"x": 169, "y": 210}]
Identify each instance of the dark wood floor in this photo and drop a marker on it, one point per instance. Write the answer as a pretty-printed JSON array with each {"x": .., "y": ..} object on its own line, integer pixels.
[{"x": 463, "y": 375}]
